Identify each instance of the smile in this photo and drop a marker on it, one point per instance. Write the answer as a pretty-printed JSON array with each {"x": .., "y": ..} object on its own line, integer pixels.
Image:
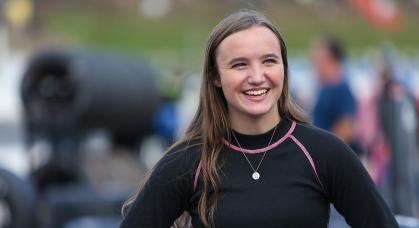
[{"x": 258, "y": 92}]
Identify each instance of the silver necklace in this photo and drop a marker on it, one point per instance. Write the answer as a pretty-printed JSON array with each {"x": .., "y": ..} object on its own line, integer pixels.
[{"x": 256, "y": 174}]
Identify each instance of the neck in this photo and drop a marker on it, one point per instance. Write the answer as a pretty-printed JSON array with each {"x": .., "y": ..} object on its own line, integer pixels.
[{"x": 253, "y": 125}]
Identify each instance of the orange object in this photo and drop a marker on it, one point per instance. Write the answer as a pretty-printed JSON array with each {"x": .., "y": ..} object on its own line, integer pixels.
[{"x": 381, "y": 13}]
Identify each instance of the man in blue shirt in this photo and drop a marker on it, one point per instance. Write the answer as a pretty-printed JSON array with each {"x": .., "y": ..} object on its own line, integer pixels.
[{"x": 335, "y": 108}]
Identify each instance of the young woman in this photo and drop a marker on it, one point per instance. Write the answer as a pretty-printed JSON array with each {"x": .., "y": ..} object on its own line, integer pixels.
[{"x": 249, "y": 158}]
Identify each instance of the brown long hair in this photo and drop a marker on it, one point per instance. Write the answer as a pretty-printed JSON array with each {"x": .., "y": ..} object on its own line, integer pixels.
[{"x": 210, "y": 123}]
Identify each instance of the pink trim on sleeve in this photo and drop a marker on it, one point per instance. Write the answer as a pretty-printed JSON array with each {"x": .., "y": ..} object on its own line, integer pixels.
[
  {"x": 308, "y": 156},
  {"x": 198, "y": 170}
]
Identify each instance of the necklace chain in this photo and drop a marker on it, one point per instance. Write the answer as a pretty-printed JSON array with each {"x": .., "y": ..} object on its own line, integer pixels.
[{"x": 256, "y": 174}]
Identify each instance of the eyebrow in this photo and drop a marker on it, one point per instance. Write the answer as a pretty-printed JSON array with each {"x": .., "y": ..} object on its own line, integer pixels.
[
  {"x": 270, "y": 55},
  {"x": 240, "y": 59}
]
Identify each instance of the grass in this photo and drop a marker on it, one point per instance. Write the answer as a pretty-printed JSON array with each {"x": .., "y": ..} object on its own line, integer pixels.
[{"x": 177, "y": 40}]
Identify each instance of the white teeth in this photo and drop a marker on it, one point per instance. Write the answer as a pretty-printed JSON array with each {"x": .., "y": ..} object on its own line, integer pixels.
[{"x": 256, "y": 92}]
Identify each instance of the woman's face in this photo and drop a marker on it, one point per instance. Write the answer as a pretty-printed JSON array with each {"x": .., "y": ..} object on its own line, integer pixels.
[{"x": 251, "y": 73}]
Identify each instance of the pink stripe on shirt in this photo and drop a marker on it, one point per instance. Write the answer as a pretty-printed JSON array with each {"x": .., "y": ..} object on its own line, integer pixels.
[
  {"x": 198, "y": 170},
  {"x": 308, "y": 156}
]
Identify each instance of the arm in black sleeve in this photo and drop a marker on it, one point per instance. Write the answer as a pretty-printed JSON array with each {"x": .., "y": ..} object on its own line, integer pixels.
[
  {"x": 353, "y": 192},
  {"x": 166, "y": 193}
]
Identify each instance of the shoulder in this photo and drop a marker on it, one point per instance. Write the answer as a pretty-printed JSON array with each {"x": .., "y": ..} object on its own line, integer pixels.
[
  {"x": 183, "y": 156},
  {"x": 185, "y": 149},
  {"x": 307, "y": 131},
  {"x": 331, "y": 157},
  {"x": 321, "y": 143}
]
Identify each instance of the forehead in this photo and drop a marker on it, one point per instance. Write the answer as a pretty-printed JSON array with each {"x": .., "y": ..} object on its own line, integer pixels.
[{"x": 256, "y": 40}]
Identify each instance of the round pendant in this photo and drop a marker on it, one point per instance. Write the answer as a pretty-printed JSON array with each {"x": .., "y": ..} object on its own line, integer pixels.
[{"x": 255, "y": 175}]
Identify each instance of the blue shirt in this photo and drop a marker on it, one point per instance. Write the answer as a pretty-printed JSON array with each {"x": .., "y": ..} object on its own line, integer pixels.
[{"x": 334, "y": 102}]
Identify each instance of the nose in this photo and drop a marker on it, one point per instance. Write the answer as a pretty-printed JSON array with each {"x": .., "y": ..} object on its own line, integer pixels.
[{"x": 256, "y": 75}]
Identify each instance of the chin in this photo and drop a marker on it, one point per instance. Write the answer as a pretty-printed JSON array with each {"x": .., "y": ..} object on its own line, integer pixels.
[{"x": 258, "y": 112}]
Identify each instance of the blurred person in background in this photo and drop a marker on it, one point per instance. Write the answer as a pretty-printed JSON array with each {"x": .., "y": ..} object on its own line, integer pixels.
[
  {"x": 249, "y": 158},
  {"x": 398, "y": 120},
  {"x": 335, "y": 108}
]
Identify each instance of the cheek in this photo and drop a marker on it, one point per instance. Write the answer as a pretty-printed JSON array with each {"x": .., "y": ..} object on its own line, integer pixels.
[
  {"x": 230, "y": 82},
  {"x": 277, "y": 77}
]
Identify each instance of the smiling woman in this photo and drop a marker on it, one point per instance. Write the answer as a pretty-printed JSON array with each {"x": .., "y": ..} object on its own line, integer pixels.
[{"x": 249, "y": 158}]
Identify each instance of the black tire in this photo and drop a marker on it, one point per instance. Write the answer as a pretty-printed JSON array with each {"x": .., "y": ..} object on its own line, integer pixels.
[
  {"x": 18, "y": 201},
  {"x": 89, "y": 91}
]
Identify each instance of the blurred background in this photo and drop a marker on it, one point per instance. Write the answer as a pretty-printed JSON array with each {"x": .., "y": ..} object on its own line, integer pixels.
[{"x": 93, "y": 92}]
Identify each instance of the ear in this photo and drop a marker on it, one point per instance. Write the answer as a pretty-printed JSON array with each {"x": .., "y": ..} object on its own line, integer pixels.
[{"x": 217, "y": 83}]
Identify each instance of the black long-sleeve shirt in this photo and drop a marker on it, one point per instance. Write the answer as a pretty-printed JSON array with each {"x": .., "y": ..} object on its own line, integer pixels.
[{"x": 304, "y": 170}]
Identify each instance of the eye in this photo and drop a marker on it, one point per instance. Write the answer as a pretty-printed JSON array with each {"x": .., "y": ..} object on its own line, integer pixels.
[
  {"x": 239, "y": 65},
  {"x": 270, "y": 61}
]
